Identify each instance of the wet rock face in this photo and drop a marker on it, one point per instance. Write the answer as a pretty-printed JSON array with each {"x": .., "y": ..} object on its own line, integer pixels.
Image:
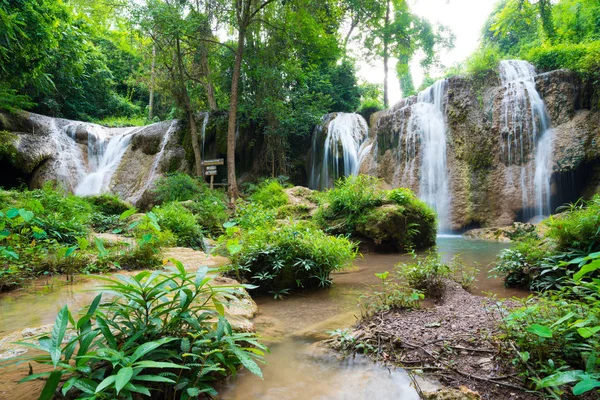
[{"x": 485, "y": 187}]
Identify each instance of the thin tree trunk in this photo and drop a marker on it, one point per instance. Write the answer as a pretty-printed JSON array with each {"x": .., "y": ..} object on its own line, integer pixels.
[
  {"x": 152, "y": 72},
  {"x": 386, "y": 56},
  {"x": 190, "y": 114},
  {"x": 210, "y": 88},
  {"x": 231, "y": 128}
]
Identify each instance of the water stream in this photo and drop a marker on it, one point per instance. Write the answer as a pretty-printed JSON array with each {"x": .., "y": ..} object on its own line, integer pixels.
[{"x": 295, "y": 369}]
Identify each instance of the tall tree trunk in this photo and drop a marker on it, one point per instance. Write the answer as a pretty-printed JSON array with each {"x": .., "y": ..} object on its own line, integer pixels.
[
  {"x": 233, "y": 104},
  {"x": 386, "y": 55},
  {"x": 190, "y": 113},
  {"x": 152, "y": 72}
]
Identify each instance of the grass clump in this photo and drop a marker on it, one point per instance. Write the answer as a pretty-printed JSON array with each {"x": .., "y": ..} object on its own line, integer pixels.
[
  {"x": 108, "y": 204},
  {"x": 182, "y": 223},
  {"x": 392, "y": 293},
  {"x": 270, "y": 194},
  {"x": 279, "y": 258},
  {"x": 178, "y": 187}
]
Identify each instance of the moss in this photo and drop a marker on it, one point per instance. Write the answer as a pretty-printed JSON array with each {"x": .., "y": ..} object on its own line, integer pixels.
[
  {"x": 8, "y": 150},
  {"x": 295, "y": 211},
  {"x": 109, "y": 204}
]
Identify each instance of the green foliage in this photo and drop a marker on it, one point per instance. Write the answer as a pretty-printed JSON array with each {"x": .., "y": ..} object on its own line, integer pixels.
[
  {"x": 178, "y": 187},
  {"x": 168, "y": 336},
  {"x": 427, "y": 274},
  {"x": 348, "y": 202},
  {"x": 210, "y": 210},
  {"x": 109, "y": 204},
  {"x": 287, "y": 256},
  {"x": 392, "y": 293},
  {"x": 542, "y": 263},
  {"x": 8, "y": 151},
  {"x": 355, "y": 206},
  {"x": 182, "y": 223},
  {"x": 270, "y": 194},
  {"x": 558, "y": 334}
]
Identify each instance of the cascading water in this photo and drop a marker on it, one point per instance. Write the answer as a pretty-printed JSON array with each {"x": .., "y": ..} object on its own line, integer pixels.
[
  {"x": 427, "y": 125},
  {"x": 342, "y": 150},
  {"x": 526, "y": 133},
  {"x": 68, "y": 163},
  {"x": 104, "y": 156}
]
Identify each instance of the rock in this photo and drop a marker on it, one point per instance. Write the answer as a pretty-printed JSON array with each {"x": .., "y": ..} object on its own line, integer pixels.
[
  {"x": 388, "y": 225},
  {"x": 462, "y": 393}
]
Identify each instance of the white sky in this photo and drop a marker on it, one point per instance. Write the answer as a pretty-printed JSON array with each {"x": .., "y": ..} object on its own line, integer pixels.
[{"x": 464, "y": 17}]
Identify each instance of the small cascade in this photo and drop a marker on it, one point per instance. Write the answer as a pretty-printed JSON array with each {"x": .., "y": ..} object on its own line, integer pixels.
[
  {"x": 206, "y": 116},
  {"x": 104, "y": 156},
  {"x": 340, "y": 152},
  {"x": 427, "y": 126},
  {"x": 69, "y": 163},
  {"x": 526, "y": 137},
  {"x": 157, "y": 159}
]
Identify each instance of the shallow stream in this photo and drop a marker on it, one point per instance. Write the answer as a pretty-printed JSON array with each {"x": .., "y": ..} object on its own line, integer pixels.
[{"x": 295, "y": 368}]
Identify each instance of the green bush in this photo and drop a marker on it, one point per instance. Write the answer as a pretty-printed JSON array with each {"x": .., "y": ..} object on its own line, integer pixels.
[
  {"x": 393, "y": 218},
  {"x": 270, "y": 194},
  {"x": 427, "y": 274},
  {"x": 577, "y": 228},
  {"x": 348, "y": 201},
  {"x": 557, "y": 335},
  {"x": 164, "y": 335},
  {"x": 178, "y": 187},
  {"x": 253, "y": 215},
  {"x": 288, "y": 256},
  {"x": 182, "y": 223},
  {"x": 109, "y": 204},
  {"x": 210, "y": 210},
  {"x": 391, "y": 294}
]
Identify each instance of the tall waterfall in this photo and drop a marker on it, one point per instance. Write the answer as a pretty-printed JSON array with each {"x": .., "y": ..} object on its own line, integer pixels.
[
  {"x": 526, "y": 134},
  {"x": 341, "y": 151},
  {"x": 427, "y": 126},
  {"x": 104, "y": 156}
]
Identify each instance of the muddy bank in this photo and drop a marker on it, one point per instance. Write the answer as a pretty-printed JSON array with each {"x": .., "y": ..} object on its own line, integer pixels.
[{"x": 453, "y": 341}]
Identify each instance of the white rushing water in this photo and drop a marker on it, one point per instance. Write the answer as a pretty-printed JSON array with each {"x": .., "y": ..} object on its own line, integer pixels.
[
  {"x": 341, "y": 153},
  {"x": 104, "y": 156},
  {"x": 427, "y": 125},
  {"x": 527, "y": 137},
  {"x": 68, "y": 164}
]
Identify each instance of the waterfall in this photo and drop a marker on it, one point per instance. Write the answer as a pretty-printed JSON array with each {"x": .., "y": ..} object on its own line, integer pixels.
[
  {"x": 427, "y": 125},
  {"x": 157, "y": 159},
  {"x": 340, "y": 153},
  {"x": 206, "y": 116},
  {"x": 68, "y": 164},
  {"x": 104, "y": 156},
  {"x": 526, "y": 134}
]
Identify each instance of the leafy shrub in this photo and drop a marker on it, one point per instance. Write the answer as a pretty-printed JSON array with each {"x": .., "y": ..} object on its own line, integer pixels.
[
  {"x": 427, "y": 274},
  {"x": 109, "y": 204},
  {"x": 182, "y": 223},
  {"x": 107, "y": 223},
  {"x": 288, "y": 256},
  {"x": 177, "y": 187},
  {"x": 558, "y": 334},
  {"x": 253, "y": 215},
  {"x": 295, "y": 211},
  {"x": 270, "y": 194},
  {"x": 210, "y": 210},
  {"x": 482, "y": 61},
  {"x": 578, "y": 228},
  {"x": 165, "y": 334},
  {"x": 348, "y": 201}
]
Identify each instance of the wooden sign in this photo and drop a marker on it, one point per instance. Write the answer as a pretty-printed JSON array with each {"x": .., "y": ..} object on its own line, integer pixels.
[
  {"x": 210, "y": 173},
  {"x": 211, "y": 168},
  {"x": 218, "y": 161}
]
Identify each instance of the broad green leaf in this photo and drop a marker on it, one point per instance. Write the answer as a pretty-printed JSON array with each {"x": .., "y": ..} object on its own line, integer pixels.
[
  {"x": 586, "y": 269},
  {"x": 123, "y": 377},
  {"x": 561, "y": 378},
  {"x": 138, "y": 389},
  {"x": 588, "y": 332},
  {"x": 12, "y": 213},
  {"x": 146, "y": 348},
  {"x": 153, "y": 378},
  {"x": 86, "y": 385},
  {"x": 26, "y": 215},
  {"x": 585, "y": 386},
  {"x": 246, "y": 360},
  {"x": 106, "y": 383},
  {"x": 127, "y": 214},
  {"x": 100, "y": 246},
  {"x": 110, "y": 339},
  {"x": 540, "y": 330},
  {"x": 51, "y": 386},
  {"x": 158, "y": 364}
]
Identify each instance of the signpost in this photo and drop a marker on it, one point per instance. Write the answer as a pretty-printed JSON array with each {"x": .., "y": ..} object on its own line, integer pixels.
[{"x": 210, "y": 169}]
